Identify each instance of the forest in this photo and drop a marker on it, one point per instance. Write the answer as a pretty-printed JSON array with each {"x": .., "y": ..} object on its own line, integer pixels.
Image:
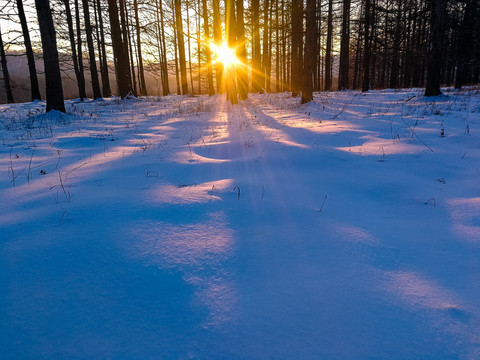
[
  {"x": 223, "y": 179},
  {"x": 237, "y": 47}
]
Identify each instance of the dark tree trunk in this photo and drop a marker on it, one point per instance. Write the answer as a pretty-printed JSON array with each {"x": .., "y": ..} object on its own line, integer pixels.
[
  {"x": 230, "y": 26},
  {"x": 309, "y": 57},
  {"x": 434, "y": 63},
  {"x": 265, "y": 57},
  {"x": 367, "y": 50},
  {"x": 217, "y": 36},
  {"x": 175, "y": 43},
  {"x": 181, "y": 46},
  {"x": 143, "y": 86},
  {"x": 297, "y": 46},
  {"x": 53, "y": 78},
  {"x": 120, "y": 52},
  {"x": 81, "y": 74},
  {"x": 162, "y": 47},
  {"x": 328, "y": 51},
  {"x": 242, "y": 74},
  {"x": 189, "y": 48},
  {"x": 126, "y": 24},
  {"x": 465, "y": 46},
  {"x": 206, "y": 30},
  {"x": 6, "y": 75},
  {"x": 107, "y": 92},
  {"x": 34, "y": 88},
  {"x": 256, "y": 48},
  {"x": 91, "y": 51},
  {"x": 396, "y": 48},
  {"x": 344, "y": 69},
  {"x": 71, "y": 36}
]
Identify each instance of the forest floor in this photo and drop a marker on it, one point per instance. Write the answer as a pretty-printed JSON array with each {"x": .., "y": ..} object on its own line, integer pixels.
[{"x": 187, "y": 228}]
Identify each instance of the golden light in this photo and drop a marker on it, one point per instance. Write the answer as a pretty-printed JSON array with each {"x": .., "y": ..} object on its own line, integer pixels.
[{"x": 225, "y": 54}]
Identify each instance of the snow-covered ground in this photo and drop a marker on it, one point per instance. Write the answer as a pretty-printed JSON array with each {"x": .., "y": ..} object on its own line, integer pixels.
[{"x": 188, "y": 228}]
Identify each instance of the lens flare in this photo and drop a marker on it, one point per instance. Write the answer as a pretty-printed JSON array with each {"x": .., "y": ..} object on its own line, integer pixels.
[{"x": 225, "y": 54}]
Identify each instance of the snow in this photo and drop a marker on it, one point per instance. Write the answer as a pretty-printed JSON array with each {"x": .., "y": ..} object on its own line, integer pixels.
[{"x": 187, "y": 228}]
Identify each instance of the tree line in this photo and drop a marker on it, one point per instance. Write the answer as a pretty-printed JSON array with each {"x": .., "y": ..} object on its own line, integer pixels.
[{"x": 299, "y": 46}]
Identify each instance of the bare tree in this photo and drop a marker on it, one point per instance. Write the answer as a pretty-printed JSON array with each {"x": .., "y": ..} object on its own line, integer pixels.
[
  {"x": 120, "y": 52},
  {"x": 34, "y": 88},
  {"x": 343, "y": 73},
  {"x": 310, "y": 56},
  {"x": 181, "y": 46},
  {"x": 6, "y": 75},
  {"x": 53, "y": 78},
  {"x": 434, "y": 65}
]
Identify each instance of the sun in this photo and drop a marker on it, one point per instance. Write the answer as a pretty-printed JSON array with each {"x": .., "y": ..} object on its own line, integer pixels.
[{"x": 225, "y": 54}]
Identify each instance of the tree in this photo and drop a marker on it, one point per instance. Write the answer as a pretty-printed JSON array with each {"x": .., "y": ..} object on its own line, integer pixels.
[
  {"x": 464, "y": 45},
  {"x": 34, "y": 88},
  {"x": 181, "y": 46},
  {"x": 343, "y": 73},
  {"x": 106, "y": 91},
  {"x": 71, "y": 35},
  {"x": 230, "y": 23},
  {"x": 143, "y": 86},
  {"x": 6, "y": 76},
  {"x": 81, "y": 73},
  {"x": 297, "y": 46},
  {"x": 310, "y": 56},
  {"x": 120, "y": 52},
  {"x": 434, "y": 64},
  {"x": 217, "y": 36},
  {"x": 367, "y": 50},
  {"x": 242, "y": 74},
  {"x": 328, "y": 50},
  {"x": 206, "y": 31},
  {"x": 162, "y": 47},
  {"x": 91, "y": 51},
  {"x": 256, "y": 52},
  {"x": 53, "y": 78}
]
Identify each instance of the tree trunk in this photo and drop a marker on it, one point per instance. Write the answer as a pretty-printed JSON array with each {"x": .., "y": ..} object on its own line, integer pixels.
[
  {"x": 128, "y": 42},
  {"x": 344, "y": 69},
  {"x": 143, "y": 86},
  {"x": 328, "y": 51},
  {"x": 217, "y": 36},
  {"x": 297, "y": 46},
  {"x": 181, "y": 46},
  {"x": 396, "y": 48},
  {"x": 206, "y": 30},
  {"x": 163, "y": 55},
  {"x": 242, "y": 74},
  {"x": 189, "y": 48},
  {"x": 309, "y": 57},
  {"x": 6, "y": 75},
  {"x": 71, "y": 36},
  {"x": 434, "y": 63},
  {"x": 106, "y": 90},
  {"x": 120, "y": 52},
  {"x": 34, "y": 88},
  {"x": 53, "y": 78},
  {"x": 91, "y": 51},
  {"x": 231, "y": 40},
  {"x": 464, "y": 45},
  {"x": 265, "y": 58},
  {"x": 256, "y": 49},
  {"x": 81, "y": 73},
  {"x": 367, "y": 50}
]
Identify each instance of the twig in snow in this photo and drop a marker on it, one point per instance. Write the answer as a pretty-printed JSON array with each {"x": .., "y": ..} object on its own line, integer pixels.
[
  {"x": 323, "y": 203},
  {"x": 238, "y": 191},
  {"x": 431, "y": 200},
  {"x": 414, "y": 133}
]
